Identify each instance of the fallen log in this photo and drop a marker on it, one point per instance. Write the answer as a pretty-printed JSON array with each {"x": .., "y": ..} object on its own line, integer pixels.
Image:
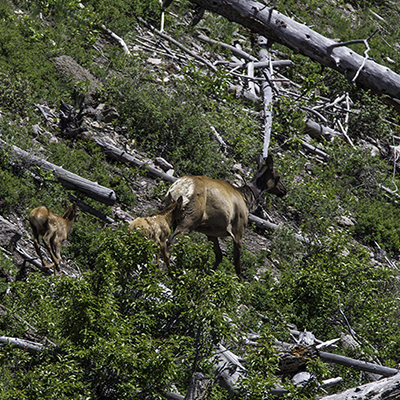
[
  {"x": 279, "y": 28},
  {"x": 360, "y": 365},
  {"x": 22, "y": 343},
  {"x": 120, "y": 155},
  {"x": 318, "y": 131},
  {"x": 266, "y": 88},
  {"x": 86, "y": 208},
  {"x": 385, "y": 389},
  {"x": 68, "y": 179},
  {"x": 263, "y": 224}
]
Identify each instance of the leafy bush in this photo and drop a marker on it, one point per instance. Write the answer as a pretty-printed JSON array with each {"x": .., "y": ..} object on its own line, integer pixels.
[
  {"x": 379, "y": 222},
  {"x": 337, "y": 286},
  {"x": 120, "y": 327},
  {"x": 371, "y": 121}
]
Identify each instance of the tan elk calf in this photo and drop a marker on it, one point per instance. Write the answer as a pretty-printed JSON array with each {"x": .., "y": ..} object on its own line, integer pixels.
[
  {"x": 218, "y": 209},
  {"x": 157, "y": 226},
  {"x": 54, "y": 229}
]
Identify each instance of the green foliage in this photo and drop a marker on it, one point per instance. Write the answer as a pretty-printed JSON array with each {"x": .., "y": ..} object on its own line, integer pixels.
[
  {"x": 334, "y": 282},
  {"x": 372, "y": 119},
  {"x": 119, "y": 327},
  {"x": 312, "y": 199},
  {"x": 84, "y": 159},
  {"x": 15, "y": 94},
  {"x": 372, "y": 227},
  {"x": 288, "y": 118},
  {"x": 262, "y": 366}
]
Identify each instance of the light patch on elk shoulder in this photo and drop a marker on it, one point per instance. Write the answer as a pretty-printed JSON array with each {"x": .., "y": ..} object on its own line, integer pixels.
[{"x": 184, "y": 187}]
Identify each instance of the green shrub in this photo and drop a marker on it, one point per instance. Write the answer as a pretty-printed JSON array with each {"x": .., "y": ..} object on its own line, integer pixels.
[
  {"x": 379, "y": 222},
  {"x": 336, "y": 286},
  {"x": 122, "y": 325}
]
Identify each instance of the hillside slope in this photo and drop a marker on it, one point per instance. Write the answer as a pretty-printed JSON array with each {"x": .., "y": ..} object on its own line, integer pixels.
[{"x": 117, "y": 326}]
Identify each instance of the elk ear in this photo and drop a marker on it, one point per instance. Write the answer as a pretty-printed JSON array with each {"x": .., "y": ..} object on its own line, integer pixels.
[
  {"x": 269, "y": 162},
  {"x": 179, "y": 202}
]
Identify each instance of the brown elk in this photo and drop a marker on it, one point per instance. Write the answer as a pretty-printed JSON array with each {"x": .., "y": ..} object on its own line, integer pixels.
[
  {"x": 54, "y": 229},
  {"x": 157, "y": 226},
  {"x": 219, "y": 209}
]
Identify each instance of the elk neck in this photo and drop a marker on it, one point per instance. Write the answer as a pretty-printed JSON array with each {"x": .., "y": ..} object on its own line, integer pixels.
[{"x": 250, "y": 195}]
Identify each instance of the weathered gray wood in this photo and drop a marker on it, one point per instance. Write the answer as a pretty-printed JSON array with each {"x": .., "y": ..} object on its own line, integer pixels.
[
  {"x": 174, "y": 396},
  {"x": 360, "y": 365},
  {"x": 86, "y": 208},
  {"x": 263, "y": 64},
  {"x": 263, "y": 224},
  {"x": 28, "y": 258},
  {"x": 120, "y": 155},
  {"x": 68, "y": 179},
  {"x": 385, "y": 389},
  {"x": 266, "y": 89},
  {"x": 318, "y": 131},
  {"x": 176, "y": 43},
  {"x": 315, "y": 150},
  {"x": 118, "y": 39},
  {"x": 22, "y": 343},
  {"x": 228, "y": 369},
  {"x": 293, "y": 357},
  {"x": 282, "y": 29},
  {"x": 233, "y": 49}
]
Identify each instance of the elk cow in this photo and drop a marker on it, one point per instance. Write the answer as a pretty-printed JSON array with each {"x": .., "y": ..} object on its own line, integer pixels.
[
  {"x": 219, "y": 209},
  {"x": 157, "y": 226},
  {"x": 54, "y": 229}
]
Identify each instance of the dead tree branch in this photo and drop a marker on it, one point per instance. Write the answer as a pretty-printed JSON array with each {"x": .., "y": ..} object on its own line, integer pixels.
[
  {"x": 300, "y": 38},
  {"x": 176, "y": 43}
]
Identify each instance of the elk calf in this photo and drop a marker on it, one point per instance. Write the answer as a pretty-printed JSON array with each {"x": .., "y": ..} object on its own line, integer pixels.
[
  {"x": 53, "y": 229},
  {"x": 218, "y": 209},
  {"x": 157, "y": 226}
]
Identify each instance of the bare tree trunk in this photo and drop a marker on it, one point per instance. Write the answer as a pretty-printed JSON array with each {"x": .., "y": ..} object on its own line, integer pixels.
[{"x": 282, "y": 29}]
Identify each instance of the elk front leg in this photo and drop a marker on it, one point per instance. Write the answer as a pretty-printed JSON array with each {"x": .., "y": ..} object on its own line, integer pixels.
[{"x": 217, "y": 250}]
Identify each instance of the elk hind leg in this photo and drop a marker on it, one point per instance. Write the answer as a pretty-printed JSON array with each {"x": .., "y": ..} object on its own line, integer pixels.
[
  {"x": 36, "y": 244},
  {"x": 48, "y": 240},
  {"x": 237, "y": 251}
]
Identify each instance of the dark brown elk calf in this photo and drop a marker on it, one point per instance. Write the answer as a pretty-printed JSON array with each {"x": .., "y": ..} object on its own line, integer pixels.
[
  {"x": 54, "y": 230},
  {"x": 219, "y": 209},
  {"x": 157, "y": 226}
]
